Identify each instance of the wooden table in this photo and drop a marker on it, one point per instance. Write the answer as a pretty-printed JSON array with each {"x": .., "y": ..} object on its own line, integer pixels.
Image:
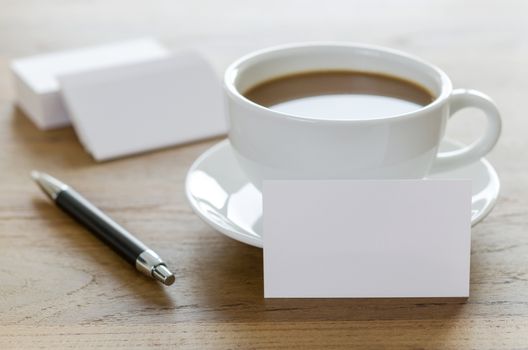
[{"x": 61, "y": 288}]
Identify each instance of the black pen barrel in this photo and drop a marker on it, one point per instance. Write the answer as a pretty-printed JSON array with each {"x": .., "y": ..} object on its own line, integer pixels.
[{"x": 102, "y": 226}]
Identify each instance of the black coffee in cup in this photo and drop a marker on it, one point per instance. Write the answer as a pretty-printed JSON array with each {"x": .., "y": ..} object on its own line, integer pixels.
[{"x": 340, "y": 94}]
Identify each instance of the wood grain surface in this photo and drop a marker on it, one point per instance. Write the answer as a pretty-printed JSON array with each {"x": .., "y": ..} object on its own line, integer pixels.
[{"x": 62, "y": 288}]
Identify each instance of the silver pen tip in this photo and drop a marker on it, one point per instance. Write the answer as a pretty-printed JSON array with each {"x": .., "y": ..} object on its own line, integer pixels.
[
  {"x": 50, "y": 185},
  {"x": 163, "y": 274},
  {"x": 35, "y": 175}
]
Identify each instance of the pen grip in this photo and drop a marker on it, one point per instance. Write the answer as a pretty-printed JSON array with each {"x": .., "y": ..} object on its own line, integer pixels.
[{"x": 102, "y": 226}]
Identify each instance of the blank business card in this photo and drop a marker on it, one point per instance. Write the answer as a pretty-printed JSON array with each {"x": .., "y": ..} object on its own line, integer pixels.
[
  {"x": 137, "y": 107},
  {"x": 366, "y": 238}
]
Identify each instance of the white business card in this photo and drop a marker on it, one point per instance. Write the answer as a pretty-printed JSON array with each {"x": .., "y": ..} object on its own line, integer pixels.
[
  {"x": 366, "y": 238},
  {"x": 138, "y": 107}
]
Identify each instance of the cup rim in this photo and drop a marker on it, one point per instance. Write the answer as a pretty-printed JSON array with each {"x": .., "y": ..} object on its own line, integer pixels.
[{"x": 233, "y": 69}]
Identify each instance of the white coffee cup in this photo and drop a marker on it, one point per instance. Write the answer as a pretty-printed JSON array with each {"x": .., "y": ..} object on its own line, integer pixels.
[{"x": 273, "y": 145}]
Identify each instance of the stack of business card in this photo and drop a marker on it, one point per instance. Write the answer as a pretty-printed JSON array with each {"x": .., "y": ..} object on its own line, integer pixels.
[{"x": 123, "y": 98}]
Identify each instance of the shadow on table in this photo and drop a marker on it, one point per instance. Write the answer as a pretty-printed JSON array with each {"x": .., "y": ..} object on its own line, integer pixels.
[
  {"x": 62, "y": 146},
  {"x": 50, "y": 147},
  {"x": 232, "y": 286}
]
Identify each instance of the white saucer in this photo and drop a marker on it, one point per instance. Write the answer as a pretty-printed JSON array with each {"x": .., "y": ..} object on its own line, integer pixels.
[{"x": 220, "y": 193}]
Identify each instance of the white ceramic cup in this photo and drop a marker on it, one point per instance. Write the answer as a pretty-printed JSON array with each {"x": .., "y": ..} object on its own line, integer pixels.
[{"x": 273, "y": 145}]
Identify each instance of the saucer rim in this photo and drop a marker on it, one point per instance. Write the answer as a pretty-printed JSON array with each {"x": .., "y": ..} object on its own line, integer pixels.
[
  {"x": 246, "y": 238},
  {"x": 235, "y": 233}
]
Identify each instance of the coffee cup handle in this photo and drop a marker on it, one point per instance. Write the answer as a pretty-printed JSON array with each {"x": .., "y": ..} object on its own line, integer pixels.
[{"x": 464, "y": 98}]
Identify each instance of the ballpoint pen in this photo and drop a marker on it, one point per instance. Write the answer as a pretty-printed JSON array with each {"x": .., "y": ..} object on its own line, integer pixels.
[{"x": 120, "y": 240}]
